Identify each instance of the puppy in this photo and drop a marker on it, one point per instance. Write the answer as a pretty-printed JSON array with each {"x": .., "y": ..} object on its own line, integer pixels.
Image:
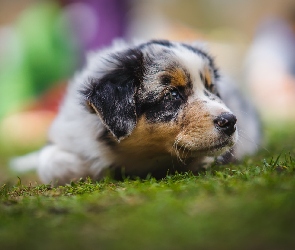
[{"x": 151, "y": 108}]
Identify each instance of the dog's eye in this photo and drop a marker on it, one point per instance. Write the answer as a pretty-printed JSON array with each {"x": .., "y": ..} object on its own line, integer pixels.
[{"x": 172, "y": 95}]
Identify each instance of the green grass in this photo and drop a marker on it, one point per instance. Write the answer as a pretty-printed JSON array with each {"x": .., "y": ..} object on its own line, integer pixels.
[{"x": 250, "y": 205}]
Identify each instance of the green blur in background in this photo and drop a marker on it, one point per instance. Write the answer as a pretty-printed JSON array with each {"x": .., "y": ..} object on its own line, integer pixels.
[{"x": 40, "y": 51}]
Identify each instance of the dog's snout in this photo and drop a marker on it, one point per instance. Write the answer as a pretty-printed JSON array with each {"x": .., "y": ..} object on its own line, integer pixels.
[{"x": 226, "y": 123}]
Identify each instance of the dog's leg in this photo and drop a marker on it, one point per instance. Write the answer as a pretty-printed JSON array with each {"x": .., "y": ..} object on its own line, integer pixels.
[{"x": 57, "y": 166}]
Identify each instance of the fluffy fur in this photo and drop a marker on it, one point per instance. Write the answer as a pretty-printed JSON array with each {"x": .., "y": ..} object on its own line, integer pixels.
[{"x": 148, "y": 108}]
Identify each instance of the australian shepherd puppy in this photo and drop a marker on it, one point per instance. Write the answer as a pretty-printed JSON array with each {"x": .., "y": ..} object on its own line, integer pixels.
[{"x": 151, "y": 108}]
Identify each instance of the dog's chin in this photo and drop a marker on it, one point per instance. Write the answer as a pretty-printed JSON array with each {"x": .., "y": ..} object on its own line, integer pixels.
[
  {"x": 216, "y": 149},
  {"x": 219, "y": 147}
]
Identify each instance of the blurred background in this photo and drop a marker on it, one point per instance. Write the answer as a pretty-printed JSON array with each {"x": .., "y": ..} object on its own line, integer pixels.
[{"x": 42, "y": 44}]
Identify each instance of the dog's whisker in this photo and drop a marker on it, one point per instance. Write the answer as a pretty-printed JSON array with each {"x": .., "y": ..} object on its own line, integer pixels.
[
  {"x": 174, "y": 147},
  {"x": 245, "y": 136},
  {"x": 185, "y": 154}
]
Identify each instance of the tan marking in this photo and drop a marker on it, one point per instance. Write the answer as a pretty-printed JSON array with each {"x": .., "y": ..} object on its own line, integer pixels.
[
  {"x": 158, "y": 138},
  {"x": 148, "y": 147},
  {"x": 90, "y": 104},
  {"x": 199, "y": 133},
  {"x": 208, "y": 76},
  {"x": 90, "y": 107},
  {"x": 178, "y": 77}
]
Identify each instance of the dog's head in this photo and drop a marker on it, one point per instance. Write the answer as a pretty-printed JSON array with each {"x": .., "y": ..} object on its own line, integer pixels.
[{"x": 161, "y": 96}]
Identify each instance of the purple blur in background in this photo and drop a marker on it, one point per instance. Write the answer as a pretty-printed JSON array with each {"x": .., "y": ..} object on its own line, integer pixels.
[{"x": 96, "y": 22}]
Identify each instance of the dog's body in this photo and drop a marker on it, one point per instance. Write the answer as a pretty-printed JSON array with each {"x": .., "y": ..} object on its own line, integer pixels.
[{"x": 149, "y": 108}]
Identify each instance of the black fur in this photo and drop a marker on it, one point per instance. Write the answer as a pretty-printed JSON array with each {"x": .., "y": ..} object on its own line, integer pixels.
[
  {"x": 164, "y": 111},
  {"x": 162, "y": 108},
  {"x": 108, "y": 138},
  {"x": 113, "y": 95},
  {"x": 164, "y": 43}
]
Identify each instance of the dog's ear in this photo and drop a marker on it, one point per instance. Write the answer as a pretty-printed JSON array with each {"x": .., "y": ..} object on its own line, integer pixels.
[{"x": 112, "y": 96}]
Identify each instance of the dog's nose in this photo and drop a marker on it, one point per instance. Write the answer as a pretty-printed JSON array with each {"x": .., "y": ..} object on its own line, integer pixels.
[{"x": 226, "y": 123}]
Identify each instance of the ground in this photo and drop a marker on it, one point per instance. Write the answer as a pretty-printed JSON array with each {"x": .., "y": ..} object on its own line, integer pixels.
[{"x": 249, "y": 205}]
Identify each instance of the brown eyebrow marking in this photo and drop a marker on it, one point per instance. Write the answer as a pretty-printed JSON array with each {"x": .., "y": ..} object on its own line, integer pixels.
[
  {"x": 207, "y": 78},
  {"x": 178, "y": 77}
]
